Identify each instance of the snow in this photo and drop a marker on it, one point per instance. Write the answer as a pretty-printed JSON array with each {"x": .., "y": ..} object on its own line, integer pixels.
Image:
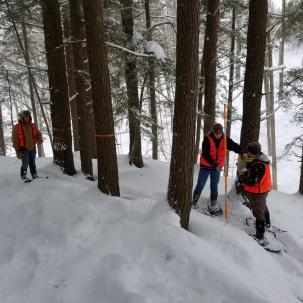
[
  {"x": 62, "y": 240},
  {"x": 153, "y": 47}
]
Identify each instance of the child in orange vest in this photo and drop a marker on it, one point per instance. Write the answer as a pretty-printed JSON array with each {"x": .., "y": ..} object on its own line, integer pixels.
[
  {"x": 211, "y": 164},
  {"x": 256, "y": 182},
  {"x": 25, "y": 136}
]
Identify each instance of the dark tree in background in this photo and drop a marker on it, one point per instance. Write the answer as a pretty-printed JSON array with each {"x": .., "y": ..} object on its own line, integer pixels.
[
  {"x": 2, "y": 142},
  {"x": 210, "y": 61},
  {"x": 135, "y": 153},
  {"x": 151, "y": 86},
  {"x": 256, "y": 44},
  {"x": 58, "y": 88},
  {"x": 101, "y": 93},
  {"x": 181, "y": 166},
  {"x": 84, "y": 122}
]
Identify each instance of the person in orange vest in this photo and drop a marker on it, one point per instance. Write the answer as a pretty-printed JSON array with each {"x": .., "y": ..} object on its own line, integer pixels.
[
  {"x": 25, "y": 136},
  {"x": 256, "y": 182},
  {"x": 212, "y": 163}
]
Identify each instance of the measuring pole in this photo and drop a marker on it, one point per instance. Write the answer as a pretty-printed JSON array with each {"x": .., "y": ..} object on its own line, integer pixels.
[{"x": 226, "y": 205}]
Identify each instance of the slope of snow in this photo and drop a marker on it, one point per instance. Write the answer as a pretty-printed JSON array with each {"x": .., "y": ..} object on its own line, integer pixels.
[{"x": 61, "y": 240}]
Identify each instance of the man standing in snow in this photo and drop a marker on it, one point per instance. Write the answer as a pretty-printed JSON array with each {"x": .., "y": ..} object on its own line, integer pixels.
[
  {"x": 256, "y": 183},
  {"x": 211, "y": 164},
  {"x": 25, "y": 136}
]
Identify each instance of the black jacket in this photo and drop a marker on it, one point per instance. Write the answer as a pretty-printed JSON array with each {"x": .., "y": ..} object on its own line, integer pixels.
[
  {"x": 231, "y": 146},
  {"x": 255, "y": 170}
]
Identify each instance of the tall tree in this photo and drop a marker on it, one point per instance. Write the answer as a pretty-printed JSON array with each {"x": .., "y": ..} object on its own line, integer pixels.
[
  {"x": 26, "y": 47},
  {"x": 210, "y": 55},
  {"x": 85, "y": 125},
  {"x": 281, "y": 50},
  {"x": 271, "y": 117},
  {"x": 60, "y": 114},
  {"x": 101, "y": 93},
  {"x": 151, "y": 85},
  {"x": 301, "y": 175},
  {"x": 70, "y": 74},
  {"x": 2, "y": 142},
  {"x": 181, "y": 165},
  {"x": 256, "y": 43},
  {"x": 135, "y": 153},
  {"x": 231, "y": 77}
]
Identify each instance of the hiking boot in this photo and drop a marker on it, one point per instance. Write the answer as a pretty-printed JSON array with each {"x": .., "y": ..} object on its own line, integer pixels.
[
  {"x": 214, "y": 208},
  {"x": 267, "y": 219},
  {"x": 196, "y": 197},
  {"x": 35, "y": 176},
  {"x": 260, "y": 229}
]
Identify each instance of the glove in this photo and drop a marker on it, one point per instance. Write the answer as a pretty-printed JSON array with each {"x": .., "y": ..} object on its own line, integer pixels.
[
  {"x": 20, "y": 155},
  {"x": 241, "y": 180}
]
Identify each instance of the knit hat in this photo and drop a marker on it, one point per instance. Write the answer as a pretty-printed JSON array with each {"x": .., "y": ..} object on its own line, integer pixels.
[
  {"x": 25, "y": 113},
  {"x": 254, "y": 148},
  {"x": 217, "y": 128}
]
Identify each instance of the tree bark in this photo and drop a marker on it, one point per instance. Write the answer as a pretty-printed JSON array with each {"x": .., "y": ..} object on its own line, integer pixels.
[
  {"x": 231, "y": 79},
  {"x": 70, "y": 76},
  {"x": 30, "y": 84},
  {"x": 152, "y": 92},
  {"x": 101, "y": 93},
  {"x": 267, "y": 101},
  {"x": 210, "y": 55},
  {"x": 281, "y": 52},
  {"x": 199, "y": 108},
  {"x": 60, "y": 114},
  {"x": 187, "y": 68},
  {"x": 85, "y": 129},
  {"x": 272, "y": 116},
  {"x": 2, "y": 141},
  {"x": 256, "y": 44},
  {"x": 301, "y": 176},
  {"x": 135, "y": 153}
]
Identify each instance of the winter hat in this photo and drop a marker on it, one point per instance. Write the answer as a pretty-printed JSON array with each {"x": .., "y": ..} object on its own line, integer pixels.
[
  {"x": 254, "y": 148},
  {"x": 25, "y": 113},
  {"x": 217, "y": 128}
]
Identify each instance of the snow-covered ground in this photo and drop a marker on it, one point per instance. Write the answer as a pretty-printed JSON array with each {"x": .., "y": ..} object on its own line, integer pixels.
[{"x": 61, "y": 240}]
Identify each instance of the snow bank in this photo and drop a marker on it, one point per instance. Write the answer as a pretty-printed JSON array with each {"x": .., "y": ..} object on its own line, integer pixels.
[{"x": 61, "y": 240}]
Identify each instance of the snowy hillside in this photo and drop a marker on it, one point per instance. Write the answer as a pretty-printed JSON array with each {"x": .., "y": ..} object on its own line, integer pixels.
[{"x": 61, "y": 240}]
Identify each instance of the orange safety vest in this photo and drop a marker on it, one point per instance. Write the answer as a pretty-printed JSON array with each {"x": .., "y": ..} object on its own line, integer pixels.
[
  {"x": 217, "y": 154},
  {"x": 264, "y": 185},
  {"x": 21, "y": 138}
]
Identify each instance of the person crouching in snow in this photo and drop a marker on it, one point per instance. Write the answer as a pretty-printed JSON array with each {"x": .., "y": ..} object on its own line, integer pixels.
[
  {"x": 25, "y": 136},
  {"x": 211, "y": 164},
  {"x": 256, "y": 182}
]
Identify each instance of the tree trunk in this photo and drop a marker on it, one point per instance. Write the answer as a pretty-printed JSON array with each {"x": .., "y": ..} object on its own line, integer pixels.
[
  {"x": 135, "y": 153},
  {"x": 281, "y": 52},
  {"x": 2, "y": 142},
  {"x": 199, "y": 108},
  {"x": 85, "y": 129},
  {"x": 238, "y": 64},
  {"x": 301, "y": 176},
  {"x": 70, "y": 76},
  {"x": 210, "y": 55},
  {"x": 152, "y": 92},
  {"x": 62, "y": 137},
  {"x": 30, "y": 84},
  {"x": 256, "y": 44},
  {"x": 187, "y": 68},
  {"x": 101, "y": 93},
  {"x": 231, "y": 79},
  {"x": 267, "y": 101},
  {"x": 272, "y": 116}
]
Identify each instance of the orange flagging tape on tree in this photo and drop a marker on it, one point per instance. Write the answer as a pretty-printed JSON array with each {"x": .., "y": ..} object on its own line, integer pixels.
[{"x": 226, "y": 205}]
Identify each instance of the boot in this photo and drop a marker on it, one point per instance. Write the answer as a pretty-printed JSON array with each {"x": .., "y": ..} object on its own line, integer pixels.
[
  {"x": 196, "y": 197},
  {"x": 23, "y": 173},
  {"x": 260, "y": 229},
  {"x": 267, "y": 219},
  {"x": 213, "y": 208}
]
